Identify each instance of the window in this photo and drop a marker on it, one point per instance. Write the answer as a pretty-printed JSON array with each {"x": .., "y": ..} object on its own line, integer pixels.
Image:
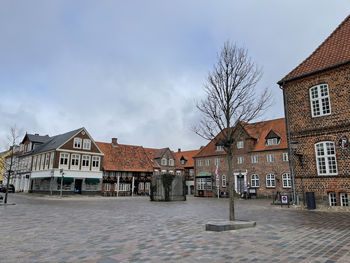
[
  {"x": 171, "y": 172},
  {"x": 191, "y": 172},
  {"x": 344, "y": 200},
  {"x": 85, "y": 163},
  {"x": 95, "y": 163},
  {"x": 38, "y": 162},
  {"x": 273, "y": 141},
  {"x": 254, "y": 180},
  {"x": 332, "y": 199},
  {"x": 171, "y": 162},
  {"x": 141, "y": 186},
  {"x": 163, "y": 171},
  {"x": 219, "y": 148},
  {"x": 178, "y": 172},
  {"x": 34, "y": 163},
  {"x": 51, "y": 159},
  {"x": 75, "y": 160},
  {"x": 325, "y": 158},
  {"x": 42, "y": 162},
  {"x": 183, "y": 161},
  {"x": 147, "y": 186},
  {"x": 287, "y": 183},
  {"x": 47, "y": 159},
  {"x": 163, "y": 161},
  {"x": 156, "y": 172},
  {"x": 320, "y": 103},
  {"x": 270, "y": 180},
  {"x": 240, "y": 144},
  {"x": 204, "y": 184},
  {"x": 124, "y": 187},
  {"x": 207, "y": 162},
  {"x": 77, "y": 143},
  {"x": 223, "y": 180},
  {"x": 270, "y": 158},
  {"x": 217, "y": 161},
  {"x": 199, "y": 162},
  {"x": 64, "y": 160},
  {"x": 240, "y": 160},
  {"x": 285, "y": 157},
  {"x": 255, "y": 159},
  {"x": 107, "y": 187},
  {"x": 87, "y": 144}
]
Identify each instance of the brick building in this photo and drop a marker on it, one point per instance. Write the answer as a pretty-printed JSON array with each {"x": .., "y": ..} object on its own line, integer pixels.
[
  {"x": 317, "y": 108},
  {"x": 187, "y": 161},
  {"x": 260, "y": 161}
]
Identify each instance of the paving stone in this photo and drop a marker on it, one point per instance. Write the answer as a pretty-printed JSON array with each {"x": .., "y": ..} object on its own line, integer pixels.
[{"x": 137, "y": 230}]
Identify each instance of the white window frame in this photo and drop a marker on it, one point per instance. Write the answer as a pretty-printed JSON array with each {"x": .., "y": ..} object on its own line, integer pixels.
[
  {"x": 171, "y": 162},
  {"x": 38, "y": 162},
  {"x": 325, "y": 153},
  {"x": 107, "y": 187},
  {"x": 34, "y": 162},
  {"x": 220, "y": 148},
  {"x": 74, "y": 157},
  {"x": 255, "y": 181},
  {"x": 270, "y": 181},
  {"x": 164, "y": 161},
  {"x": 272, "y": 141},
  {"x": 141, "y": 186},
  {"x": 42, "y": 165},
  {"x": 240, "y": 145},
  {"x": 147, "y": 186},
  {"x": 223, "y": 180},
  {"x": 77, "y": 143},
  {"x": 47, "y": 160},
  {"x": 85, "y": 158},
  {"x": 240, "y": 160},
  {"x": 255, "y": 158},
  {"x": 286, "y": 180},
  {"x": 51, "y": 160},
  {"x": 344, "y": 199},
  {"x": 320, "y": 100},
  {"x": 207, "y": 162},
  {"x": 178, "y": 172},
  {"x": 87, "y": 144},
  {"x": 217, "y": 161},
  {"x": 332, "y": 197},
  {"x": 95, "y": 163},
  {"x": 64, "y": 156},
  {"x": 270, "y": 158},
  {"x": 285, "y": 157},
  {"x": 199, "y": 162}
]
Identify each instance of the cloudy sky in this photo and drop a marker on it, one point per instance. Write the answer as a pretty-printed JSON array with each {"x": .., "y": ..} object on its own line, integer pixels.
[{"x": 134, "y": 69}]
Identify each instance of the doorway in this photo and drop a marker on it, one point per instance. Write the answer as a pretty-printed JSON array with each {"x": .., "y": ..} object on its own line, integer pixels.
[
  {"x": 77, "y": 186},
  {"x": 240, "y": 183}
]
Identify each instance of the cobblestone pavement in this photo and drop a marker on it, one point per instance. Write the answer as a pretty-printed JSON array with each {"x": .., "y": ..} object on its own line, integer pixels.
[{"x": 110, "y": 230}]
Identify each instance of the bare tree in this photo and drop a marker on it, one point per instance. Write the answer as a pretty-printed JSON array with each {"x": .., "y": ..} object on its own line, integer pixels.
[
  {"x": 10, "y": 163},
  {"x": 231, "y": 99}
]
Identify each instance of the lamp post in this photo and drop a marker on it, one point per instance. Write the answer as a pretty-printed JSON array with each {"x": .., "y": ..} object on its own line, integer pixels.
[
  {"x": 62, "y": 173},
  {"x": 293, "y": 145}
]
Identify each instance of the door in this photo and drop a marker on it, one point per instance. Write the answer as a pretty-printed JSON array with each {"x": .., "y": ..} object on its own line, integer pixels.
[
  {"x": 240, "y": 183},
  {"x": 77, "y": 186}
]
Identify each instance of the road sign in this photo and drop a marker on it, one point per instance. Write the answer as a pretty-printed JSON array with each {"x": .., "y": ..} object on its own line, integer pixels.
[{"x": 284, "y": 199}]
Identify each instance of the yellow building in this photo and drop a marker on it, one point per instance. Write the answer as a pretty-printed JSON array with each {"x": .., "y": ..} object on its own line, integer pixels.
[{"x": 3, "y": 156}]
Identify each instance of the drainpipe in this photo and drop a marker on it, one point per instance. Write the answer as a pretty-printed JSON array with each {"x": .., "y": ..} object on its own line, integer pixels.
[{"x": 290, "y": 150}]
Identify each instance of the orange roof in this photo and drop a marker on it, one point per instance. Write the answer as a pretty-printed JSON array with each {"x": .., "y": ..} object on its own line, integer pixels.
[
  {"x": 188, "y": 155},
  {"x": 151, "y": 152},
  {"x": 335, "y": 50},
  {"x": 257, "y": 131},
  {"x": 125, "y": 158}
]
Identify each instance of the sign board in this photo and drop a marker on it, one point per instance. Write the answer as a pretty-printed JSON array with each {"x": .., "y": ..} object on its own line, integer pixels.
[
  {"x": 284, "y": 199},
  {"x": 343, "y": 142}
]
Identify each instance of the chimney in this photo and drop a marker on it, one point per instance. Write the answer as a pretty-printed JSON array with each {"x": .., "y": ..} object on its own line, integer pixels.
[
  {"x": 179, "y": 150},
  {"x": 37, "y": 134},
  {"x": 114, "y": 141}
]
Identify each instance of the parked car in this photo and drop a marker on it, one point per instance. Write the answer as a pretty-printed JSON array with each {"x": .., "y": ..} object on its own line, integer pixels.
[{"x": 3, "y": 188}]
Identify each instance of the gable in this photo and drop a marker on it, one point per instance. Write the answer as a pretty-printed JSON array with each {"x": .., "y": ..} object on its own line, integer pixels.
[{"x": 272, "y": 134}]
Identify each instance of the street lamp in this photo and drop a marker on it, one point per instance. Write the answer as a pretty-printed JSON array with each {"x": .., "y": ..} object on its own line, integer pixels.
[
  {"x": 293, "y": 146},
  {"x": 62, "y": 173}
]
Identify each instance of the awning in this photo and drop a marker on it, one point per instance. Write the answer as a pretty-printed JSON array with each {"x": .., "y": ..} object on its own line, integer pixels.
[
  {"x": 65, "y": 179},
  {"x": 92, "y": 180},
  {"x": 203, "y": 174}
]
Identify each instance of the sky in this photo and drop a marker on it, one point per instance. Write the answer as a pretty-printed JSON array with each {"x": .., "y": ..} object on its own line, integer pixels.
[{"x": 134, "y": 70}]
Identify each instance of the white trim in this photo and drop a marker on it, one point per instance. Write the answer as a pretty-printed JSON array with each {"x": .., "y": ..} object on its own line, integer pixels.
[
  {"x": 326, "y": 157},
  {"x": 319, "y": 99},
  {"x": 81, "y": 152},
  {"x": 67, "y": 173},
  {"x": 245, "y": 179}
]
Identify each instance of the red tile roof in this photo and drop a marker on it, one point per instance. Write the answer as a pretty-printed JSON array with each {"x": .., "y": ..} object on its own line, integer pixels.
[
  {"x": 188, "y": 155},
  {"x": 151, "y": 153},
  {"x": 335, "y": 50},
  {"x": 125, "y": 158},
  {"x": 257, "y": 131}
]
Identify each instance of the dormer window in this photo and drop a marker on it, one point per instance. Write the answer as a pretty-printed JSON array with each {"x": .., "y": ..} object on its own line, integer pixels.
[
  {"x": 272, "y": 141},
  {"x": 183, "y": 161},
  {"x": 240, "y": 145},
  {"x": 77, "y": 143},
  {"x": 219, "y": 148}
]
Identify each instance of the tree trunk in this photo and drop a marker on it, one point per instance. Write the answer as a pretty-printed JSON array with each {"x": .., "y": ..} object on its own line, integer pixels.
[{"x": 230, "y": 186}]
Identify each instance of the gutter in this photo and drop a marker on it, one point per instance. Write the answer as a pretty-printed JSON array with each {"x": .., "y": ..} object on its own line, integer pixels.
[{"x": 282, "y": 82}]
